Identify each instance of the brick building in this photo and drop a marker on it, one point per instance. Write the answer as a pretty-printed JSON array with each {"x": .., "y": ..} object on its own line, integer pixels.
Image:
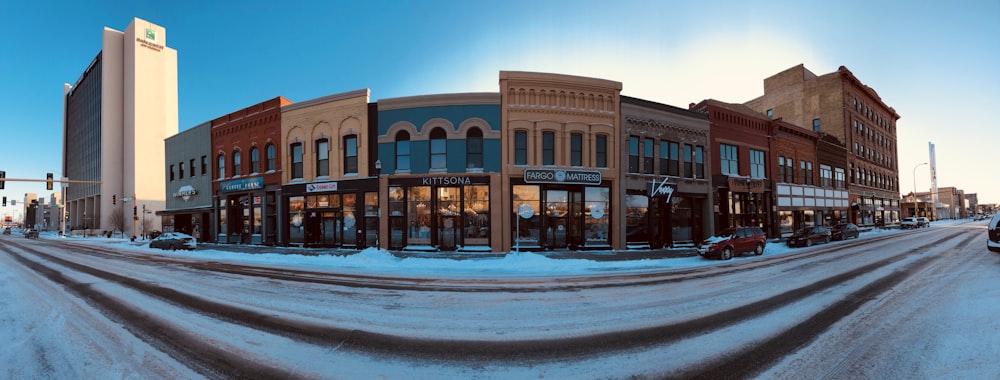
[
  {"x": 247, "y": 156},
  {"x": 740, "y": 145},
  {"x": 840, "y": 105}
]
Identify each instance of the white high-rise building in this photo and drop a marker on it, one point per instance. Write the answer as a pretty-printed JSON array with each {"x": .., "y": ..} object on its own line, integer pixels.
[{"x": 117, "y": 115}]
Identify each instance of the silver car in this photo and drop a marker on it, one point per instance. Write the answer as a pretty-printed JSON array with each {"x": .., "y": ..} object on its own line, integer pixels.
[{"x": 174, "y": 241}]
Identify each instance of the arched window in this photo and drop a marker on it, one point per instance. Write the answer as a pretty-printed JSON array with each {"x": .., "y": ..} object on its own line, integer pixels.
[
  {"x": 439, "y": 149},
  {"x": 403, "y": 151},
  {"x": 296, "y": 159},
  {"x": 322, "y": 158},
  {"x": 222, "y": 166},
  {"x": 271, "y": 154},
  {"x": 474, "y": 151},
  {"x": 236, "y": 163},
  {"x": 351, "y": 154},
  {"x": 254, "y": 160}
]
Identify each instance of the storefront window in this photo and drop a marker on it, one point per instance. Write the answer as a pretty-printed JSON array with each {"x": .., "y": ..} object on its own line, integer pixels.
[
  {"x": 397, "y": 221},
  {"x": 371, "y": 219},
  {"x": 419, "y": 207},
  {"x": 350, "y": 223},
  {"x": 528, "y": 231},
  {"x": 296, "y": 218},
  {"x": 636, "y": 218},
  {"x": 597, "y": 215},
  {"x": 477, "y": 215},
  {"x": 447, "y": 213},
  {"x": 787, "y": 220}
]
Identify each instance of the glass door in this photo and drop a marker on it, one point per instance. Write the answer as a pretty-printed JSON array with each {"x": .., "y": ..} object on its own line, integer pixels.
[{"x": 556, "y": 218}]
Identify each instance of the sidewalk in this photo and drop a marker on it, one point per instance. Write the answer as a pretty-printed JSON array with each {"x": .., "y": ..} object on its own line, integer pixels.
[{"x": 603, "y": 255}]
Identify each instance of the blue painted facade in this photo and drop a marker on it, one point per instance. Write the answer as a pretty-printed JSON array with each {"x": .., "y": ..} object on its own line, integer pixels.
[{"x": 456, "y": 147}]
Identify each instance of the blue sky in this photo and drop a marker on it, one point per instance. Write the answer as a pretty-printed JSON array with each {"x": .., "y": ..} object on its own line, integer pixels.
[{"x": 937, "y": 64}]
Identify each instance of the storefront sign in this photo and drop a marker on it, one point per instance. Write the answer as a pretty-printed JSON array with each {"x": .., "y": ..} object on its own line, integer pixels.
[
  {"x": 662, "y": 189},
  {"x": 526, "y": 211},
  {"x": 324, "y": 186},
  {"x": 583, "y": 177},
  {"x": 597, "y": 211},
  {"x": 428, "y": 181},
  {"x": 185, "y": 192},
  {"x": 746, "y": 185},
  {"x": 242, "y": 185}
]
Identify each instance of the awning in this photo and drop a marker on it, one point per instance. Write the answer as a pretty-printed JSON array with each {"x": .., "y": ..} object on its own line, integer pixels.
[{"x": 191, "y": 210}]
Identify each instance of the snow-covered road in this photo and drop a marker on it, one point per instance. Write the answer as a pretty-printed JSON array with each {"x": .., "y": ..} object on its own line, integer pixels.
[{"x": 893, "y": 304}]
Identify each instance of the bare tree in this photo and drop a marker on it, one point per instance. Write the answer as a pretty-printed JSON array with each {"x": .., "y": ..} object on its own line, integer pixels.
[{"x": 117, "y": 219}]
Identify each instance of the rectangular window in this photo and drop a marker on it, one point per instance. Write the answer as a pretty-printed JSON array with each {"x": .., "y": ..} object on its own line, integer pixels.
[
  {"x": 816, "y": 125},
  {"x": 688, "y": 161},
  {"x": 790, "y": 170},
  {"x": 296, "y": 160},
  {"x": 729, "y": 159},
  {"x": 757, "y": 164},
  {"x": 180, "y": 170},
  {"x": 633, "y": 154},
  {"x": 576, "y": 149},
  {"x": 807, "y": 172},
  {"x": 171, "y": 173},
  {"x": 439, "y": 150},
  {"x": 781, "y": 169},
  {"x": 474, "y": 149},
  {"x": 699, "y": 162},
  {"x": 520, "y": 148},
  {"x": 839, "y": 178},
  {"x": 351, "y": 154},
  {"x": 647, "y": 156},
  {"x": 403, "y": 155},
  {"x": 323, "y": 158},
  {"x": 204, "y": 165},
  {"x": 601, "y": 151},
  {"x": 548, "y": 148},
  {"x": 825, "y": 176},
  {"x": 191, "y": 167}
]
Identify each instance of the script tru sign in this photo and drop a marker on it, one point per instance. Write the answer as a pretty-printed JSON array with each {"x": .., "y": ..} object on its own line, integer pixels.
[{"x": 662, "y": 189}]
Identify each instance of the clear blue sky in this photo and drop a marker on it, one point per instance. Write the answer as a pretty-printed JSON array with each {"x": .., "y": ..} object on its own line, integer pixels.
[{"x": 936, "y": 63}]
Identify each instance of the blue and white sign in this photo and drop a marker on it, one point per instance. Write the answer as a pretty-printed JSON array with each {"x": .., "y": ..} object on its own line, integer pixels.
[{"x": 242, "y": 185}]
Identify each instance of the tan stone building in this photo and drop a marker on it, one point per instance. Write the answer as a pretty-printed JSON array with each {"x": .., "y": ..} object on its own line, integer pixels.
[
  {"x": 561, "y": 147},
  {"x": 330, "y": 189},
  {"x": 117, "y": 115},
  {"x": 840, "y": 105}
]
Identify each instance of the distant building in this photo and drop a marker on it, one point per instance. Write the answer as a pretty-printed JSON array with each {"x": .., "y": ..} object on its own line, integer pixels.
[
  {"x": 840, "y": 105},
  {"x": 117, "y": 115}
]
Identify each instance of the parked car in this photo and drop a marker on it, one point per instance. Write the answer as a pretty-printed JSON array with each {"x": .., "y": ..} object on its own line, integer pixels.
[
  {"x": 979, "y": 217},
  {"x": 844, "y": 231},
  {"x": 31, "y": 233},
  {"x": 993, "y": 234},
  {"x": 807, "y": 236},
  {"x": 6, "y": 231},
  {"x": 734, "y": 241},
  {"x": 174, "y": 241},
  {"x": 914, "y": 222}
]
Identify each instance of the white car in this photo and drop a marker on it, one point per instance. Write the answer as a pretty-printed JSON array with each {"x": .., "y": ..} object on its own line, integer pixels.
[
  {"x": 174, "y": 241},
  {"x": 993, "y": 234}
]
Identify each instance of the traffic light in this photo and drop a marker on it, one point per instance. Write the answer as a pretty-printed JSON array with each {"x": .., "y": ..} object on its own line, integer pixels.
[
  {"x": 114, "y": 200},
  {"x": 4, "y": 201},
  {"x": 3, "y": 175},
  {"x": 135, "y": 211},
  {"x": 48, "y": 181}
]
